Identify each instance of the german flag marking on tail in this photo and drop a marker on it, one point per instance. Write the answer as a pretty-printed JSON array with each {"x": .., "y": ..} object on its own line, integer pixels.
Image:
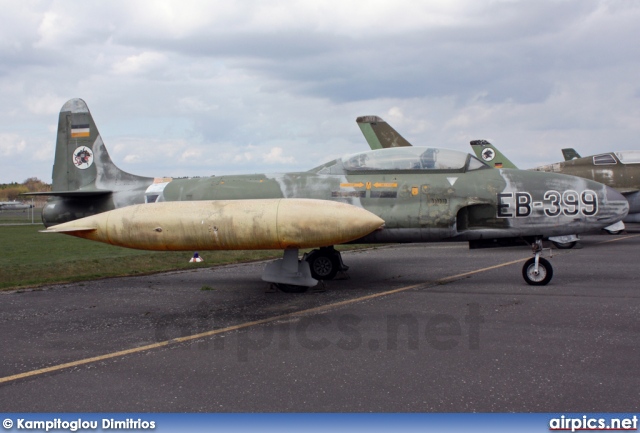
[{"x": 78, "y": 131}]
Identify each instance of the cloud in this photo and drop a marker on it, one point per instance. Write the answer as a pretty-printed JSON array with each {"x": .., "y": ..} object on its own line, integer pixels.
[
  {"x": 140, "y": 63},
  {"x": 275, "y": 156},
  {"x": 129, "y": 159},
  {"x": 50, "y": 29},
  {"x": 196, "y": 88},
  {"x": 12, "y": 145},
  {"x": 48, "y": 104},
  {"x": 191, "y": 154}
]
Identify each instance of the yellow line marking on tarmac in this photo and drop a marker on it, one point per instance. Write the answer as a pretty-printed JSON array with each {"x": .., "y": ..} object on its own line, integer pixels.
[
  {"x": 198, "y": 336},
  {"x": 618, "y": 239},
  {"x": 477, "y": 271},
  {"x": 259, "y": 322}
]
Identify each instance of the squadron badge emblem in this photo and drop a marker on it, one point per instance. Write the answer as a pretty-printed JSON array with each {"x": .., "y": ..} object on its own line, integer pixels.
[
  {"x": 82, "y": 157},
  {"x": 488, "y": 154}
]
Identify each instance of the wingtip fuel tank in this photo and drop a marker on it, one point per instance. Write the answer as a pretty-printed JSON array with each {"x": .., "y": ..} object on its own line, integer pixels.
[{"x": 226, "y": 225}]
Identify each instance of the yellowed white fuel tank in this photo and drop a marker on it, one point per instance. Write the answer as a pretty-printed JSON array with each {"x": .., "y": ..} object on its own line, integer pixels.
[{"x": 226, "y": 225}]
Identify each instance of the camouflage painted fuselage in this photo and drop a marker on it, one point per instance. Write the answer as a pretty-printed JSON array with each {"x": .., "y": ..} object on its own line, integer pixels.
[
  {"x": 426, "y": 207},
  {"x": 416, "y": 206}
]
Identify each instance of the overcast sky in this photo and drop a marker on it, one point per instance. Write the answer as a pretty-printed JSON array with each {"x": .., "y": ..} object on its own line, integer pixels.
[{"x": 182, "y": 88}]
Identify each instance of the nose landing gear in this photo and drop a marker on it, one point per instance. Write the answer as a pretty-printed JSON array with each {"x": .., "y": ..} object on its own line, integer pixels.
[{"x": 537, "y": 271}]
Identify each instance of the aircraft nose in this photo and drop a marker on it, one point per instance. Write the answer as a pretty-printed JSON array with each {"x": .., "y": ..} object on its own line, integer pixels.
[{"x": 616, "y": 205}]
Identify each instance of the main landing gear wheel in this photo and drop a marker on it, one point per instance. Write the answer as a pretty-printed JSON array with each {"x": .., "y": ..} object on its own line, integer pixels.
[
  {"x": 615, "y": 229},
  {"x": 542, "y": 276},
  {"x": 564, "y": 245},
  {"x": 325, "y": 263},
  {"x": 323, "y": 266}
]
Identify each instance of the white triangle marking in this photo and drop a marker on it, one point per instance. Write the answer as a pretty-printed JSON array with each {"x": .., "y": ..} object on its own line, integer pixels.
[{"x": 452, "y": 180}]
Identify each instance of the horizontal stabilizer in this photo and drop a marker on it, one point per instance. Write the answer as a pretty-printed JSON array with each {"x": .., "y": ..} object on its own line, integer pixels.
[{"x": 71, "y": 194}]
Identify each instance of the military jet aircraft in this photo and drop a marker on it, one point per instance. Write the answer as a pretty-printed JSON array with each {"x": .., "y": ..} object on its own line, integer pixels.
[
  {"x": 14, "y": 205},
  {"x": 393, "y": 195}
]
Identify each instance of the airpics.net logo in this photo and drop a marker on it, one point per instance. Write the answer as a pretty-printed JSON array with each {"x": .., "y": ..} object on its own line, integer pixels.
[
  {"x": 586, "y": 423},
  {"x": 79, "y": 424}
]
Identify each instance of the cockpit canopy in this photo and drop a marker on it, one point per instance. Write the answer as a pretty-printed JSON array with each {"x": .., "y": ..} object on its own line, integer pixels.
[
  {"x": 406, "y": 159},
  {"x": 624, "y": 156},
  {"x": 629, "y": 156}
]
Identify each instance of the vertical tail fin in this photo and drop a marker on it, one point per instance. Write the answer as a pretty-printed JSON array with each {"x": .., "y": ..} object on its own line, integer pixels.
[
  {"x": 570, "y": 154},
  {"x": 379, "y": 134},
  {"x": 488, "y": 153},
  {"x": 82, "y": 163},
  {"x": 75, "y": 165},
  {"x": 85, "y": 180}
]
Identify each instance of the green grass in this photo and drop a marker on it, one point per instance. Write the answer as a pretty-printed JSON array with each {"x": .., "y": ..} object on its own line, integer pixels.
[
  {"x": 30, "y": 259},
  {"x": 20, "y": 216}
]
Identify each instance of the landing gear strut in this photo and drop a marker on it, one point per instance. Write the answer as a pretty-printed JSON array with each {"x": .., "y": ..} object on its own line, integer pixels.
[
  {"x": 537, "y": 271},
  {"x": 289, "y": 274},
  {"x": 296, "y": 276},
  {"x": 325, "y": 263}
]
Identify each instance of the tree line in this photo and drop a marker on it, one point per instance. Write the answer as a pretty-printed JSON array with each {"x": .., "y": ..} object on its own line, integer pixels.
[{"x": 11, "y": 191}]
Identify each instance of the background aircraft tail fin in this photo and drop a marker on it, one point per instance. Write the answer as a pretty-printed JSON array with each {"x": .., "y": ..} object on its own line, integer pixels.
[
  {"x": 379, "y": 134},
  {"x": 570, "y": 154},
  {"x": 488, "y": 153},
  {"x": 82, "y": 164}
]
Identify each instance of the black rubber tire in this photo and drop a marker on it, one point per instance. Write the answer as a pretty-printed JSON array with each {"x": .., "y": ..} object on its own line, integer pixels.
[
  {"x": 291, "y": 288},
  {"x": 323, "y": 265},
  {"x": 614, "y": 232},
  {"x": 564, "y": 245},
  {"x": 545, "y": 272}
]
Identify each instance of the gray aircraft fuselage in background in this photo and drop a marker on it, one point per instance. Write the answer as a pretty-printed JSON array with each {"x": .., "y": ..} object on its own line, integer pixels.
[
  {"x": 14, "y": 205},
  {"x": 422, "y": 194},
  {"x": 619, "y": 170}
]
